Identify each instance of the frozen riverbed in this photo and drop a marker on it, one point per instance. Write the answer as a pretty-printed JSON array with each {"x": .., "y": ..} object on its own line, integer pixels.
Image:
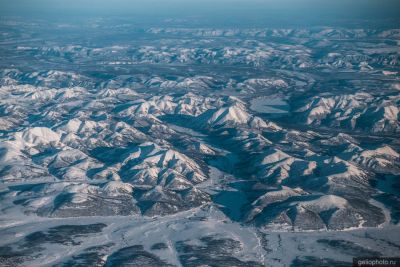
[{"x": 275, "y": 105}]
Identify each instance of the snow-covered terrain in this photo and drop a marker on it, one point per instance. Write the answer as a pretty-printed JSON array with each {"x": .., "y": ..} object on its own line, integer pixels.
[{"x": 131, "y": 145}]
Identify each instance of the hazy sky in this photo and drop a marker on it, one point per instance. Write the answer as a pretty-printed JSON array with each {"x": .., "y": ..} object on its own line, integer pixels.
[{"x": 234, "y": 10}]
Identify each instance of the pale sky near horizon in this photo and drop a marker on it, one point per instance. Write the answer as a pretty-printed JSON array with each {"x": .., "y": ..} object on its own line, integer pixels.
[
  {"x": 212, "y": 9},
  {"x": 38, "y": 4}
]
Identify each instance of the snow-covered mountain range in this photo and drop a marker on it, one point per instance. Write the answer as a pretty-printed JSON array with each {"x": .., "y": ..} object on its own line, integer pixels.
[{"x": 199, "y": 147}]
